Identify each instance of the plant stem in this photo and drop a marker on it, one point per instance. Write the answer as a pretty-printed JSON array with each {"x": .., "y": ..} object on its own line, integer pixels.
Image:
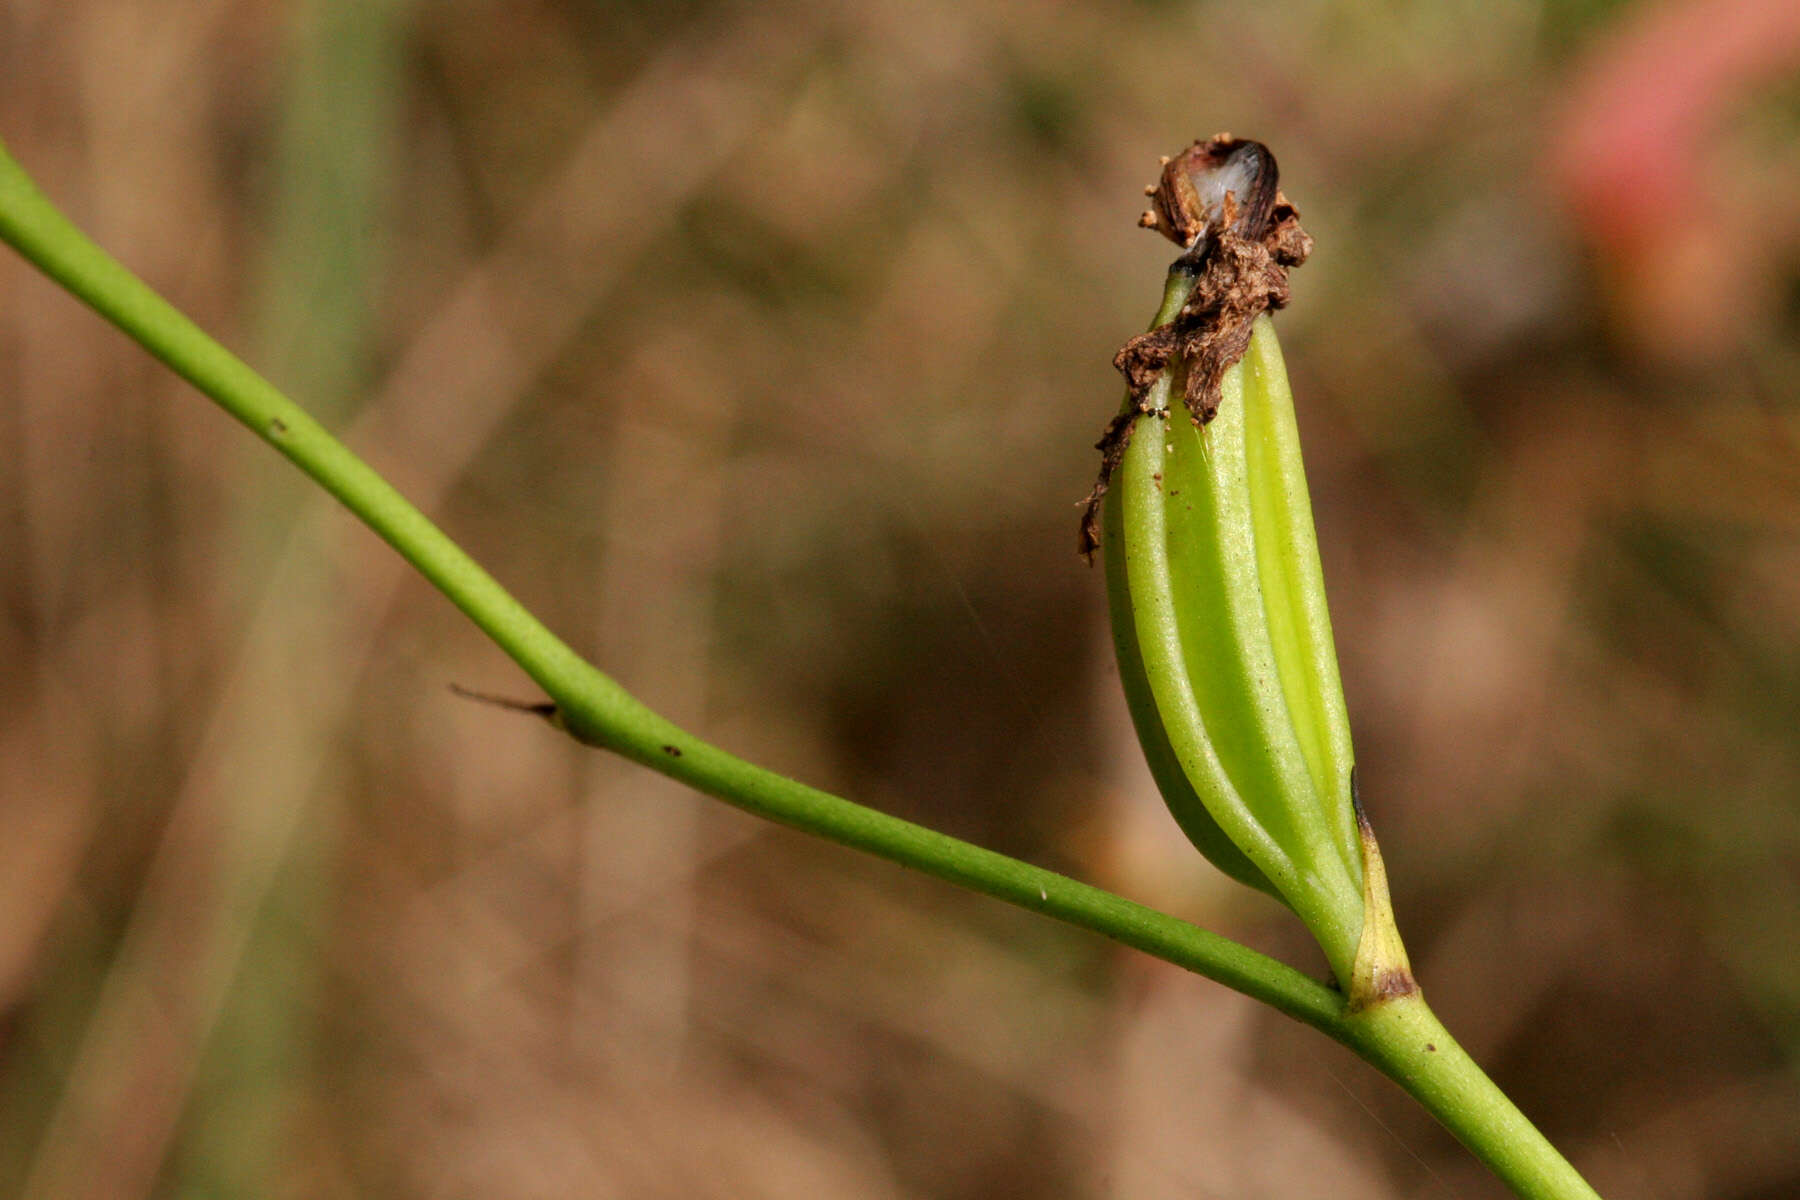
[
  {"x": 593, "y": 708},
  {"x": 1405, "y": 1041}
]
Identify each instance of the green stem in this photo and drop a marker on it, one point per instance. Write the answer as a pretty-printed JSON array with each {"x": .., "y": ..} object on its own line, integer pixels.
[
  {"x": 1405, "y": 1041},
  {"x": 596, "y": 710}
]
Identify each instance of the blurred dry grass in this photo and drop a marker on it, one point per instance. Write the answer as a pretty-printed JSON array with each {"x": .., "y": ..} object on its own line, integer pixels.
[{"x": 760, "y": 348}]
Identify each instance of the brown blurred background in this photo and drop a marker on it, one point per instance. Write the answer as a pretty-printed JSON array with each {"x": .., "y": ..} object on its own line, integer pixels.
[{"x": 761, "y": 348}]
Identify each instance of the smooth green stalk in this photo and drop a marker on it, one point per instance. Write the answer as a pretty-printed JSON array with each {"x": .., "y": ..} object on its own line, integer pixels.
[
  {"x": 1402, "y": 1039},
  {"x": 1406, "y": 1042}
]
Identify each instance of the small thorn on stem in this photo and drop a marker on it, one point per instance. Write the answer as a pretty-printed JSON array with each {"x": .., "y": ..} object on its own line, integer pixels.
[{"x": 546, "y": 709}]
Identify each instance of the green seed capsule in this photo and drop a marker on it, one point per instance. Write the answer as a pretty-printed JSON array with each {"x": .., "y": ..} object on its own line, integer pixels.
[{"x": 1213, "y": 577}]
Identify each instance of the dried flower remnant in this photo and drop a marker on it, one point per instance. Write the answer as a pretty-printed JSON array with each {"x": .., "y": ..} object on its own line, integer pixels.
[{"x": 1220, "y": 201}]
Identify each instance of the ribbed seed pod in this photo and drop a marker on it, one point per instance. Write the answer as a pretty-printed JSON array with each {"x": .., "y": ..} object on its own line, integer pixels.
[{"x": 1213, "y": 577}]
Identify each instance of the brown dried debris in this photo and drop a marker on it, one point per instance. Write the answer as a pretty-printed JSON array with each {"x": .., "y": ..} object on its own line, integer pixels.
[
  {"x": 1220, "y": 200},
  {"x": 1241, "y": 278}
]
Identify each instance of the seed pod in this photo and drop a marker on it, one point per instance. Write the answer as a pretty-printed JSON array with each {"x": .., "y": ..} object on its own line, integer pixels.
[{"x": 1213, "y": 577}]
